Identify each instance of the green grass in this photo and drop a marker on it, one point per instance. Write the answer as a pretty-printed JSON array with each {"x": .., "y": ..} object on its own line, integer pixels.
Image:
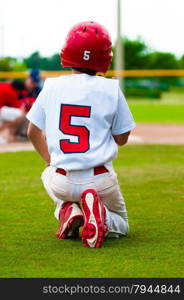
[
  {"x": 168, "y": 109},
  {"x": 174, "y": 96},
  {"x": 157, "y": 113},
  {"x": 152, "y": 181}
]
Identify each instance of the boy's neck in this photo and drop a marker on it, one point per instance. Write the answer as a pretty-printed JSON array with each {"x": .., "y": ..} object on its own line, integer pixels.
[{"x": 83, "y": 71}]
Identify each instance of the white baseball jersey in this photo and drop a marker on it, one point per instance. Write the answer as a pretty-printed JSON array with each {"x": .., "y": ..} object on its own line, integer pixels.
[{"x": 80, "y": 114}]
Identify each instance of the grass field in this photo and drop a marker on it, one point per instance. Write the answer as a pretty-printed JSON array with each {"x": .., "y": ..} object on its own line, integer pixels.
[
  {"x": 152, "y": 181},
  {"x": 157, "y": 113},
  {"x": 169, "y": 109},
  {"x": 175, "y": 95}
]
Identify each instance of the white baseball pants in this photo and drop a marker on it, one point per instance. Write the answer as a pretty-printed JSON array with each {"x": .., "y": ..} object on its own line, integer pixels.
[
  {"x": 70, "y": 187},
  {"x": 9, "y": 113}
]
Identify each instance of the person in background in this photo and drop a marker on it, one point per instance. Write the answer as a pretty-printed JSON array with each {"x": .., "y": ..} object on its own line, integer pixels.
[
  {"x": 16, "y": 99},
  {"x": 33, "y": 83},
  {"x": 11, "y": 106},
  {"x": 11, "y": 93},
  {"x": 33, "y": 88}
]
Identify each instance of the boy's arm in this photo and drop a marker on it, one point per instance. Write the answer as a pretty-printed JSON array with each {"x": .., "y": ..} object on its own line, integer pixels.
[
  {"x": 38, "y": 140},
  {"x": 121, "y": 139}
]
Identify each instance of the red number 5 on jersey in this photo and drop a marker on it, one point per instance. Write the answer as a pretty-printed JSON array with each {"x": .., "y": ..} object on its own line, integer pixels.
[{"x": 67, "y": 111}]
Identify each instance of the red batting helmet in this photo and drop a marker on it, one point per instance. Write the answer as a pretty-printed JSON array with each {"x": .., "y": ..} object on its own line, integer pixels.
[{"x": 88, "y": 45}]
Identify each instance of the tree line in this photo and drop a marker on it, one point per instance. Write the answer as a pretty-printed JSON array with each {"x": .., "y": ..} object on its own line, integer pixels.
[{"x": 137, "y": 55}]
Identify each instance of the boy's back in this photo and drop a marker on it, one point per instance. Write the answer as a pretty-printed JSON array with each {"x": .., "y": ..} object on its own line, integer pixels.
[{"x": 80, "y": 114}]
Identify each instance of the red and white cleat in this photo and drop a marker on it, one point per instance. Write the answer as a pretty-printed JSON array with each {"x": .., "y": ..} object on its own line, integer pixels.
[
  {"x": 94, "y": 229},
  {"x": 71, "y": 218}
]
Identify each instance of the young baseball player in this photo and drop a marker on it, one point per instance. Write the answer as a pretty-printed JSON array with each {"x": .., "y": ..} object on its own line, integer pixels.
[
  {"x": 11, "y": 110},
  {"x": 84, "y": 117}
]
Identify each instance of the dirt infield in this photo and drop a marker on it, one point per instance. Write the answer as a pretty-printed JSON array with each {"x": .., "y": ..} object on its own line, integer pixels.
[{"x": 168, "y": 134}]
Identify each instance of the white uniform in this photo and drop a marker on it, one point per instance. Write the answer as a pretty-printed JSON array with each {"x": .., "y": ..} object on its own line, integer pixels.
[
  {"x": 9, "y": 113},
  {"x": 80, "y": 114}
]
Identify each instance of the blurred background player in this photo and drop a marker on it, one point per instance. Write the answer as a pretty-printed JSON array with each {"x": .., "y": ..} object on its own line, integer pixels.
[
  {"x": 33, "y": 88},
  {"x": 11, "y": 94},
  {"x": 85, "y": 117},
  {"x": 16, "y": 99}
]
